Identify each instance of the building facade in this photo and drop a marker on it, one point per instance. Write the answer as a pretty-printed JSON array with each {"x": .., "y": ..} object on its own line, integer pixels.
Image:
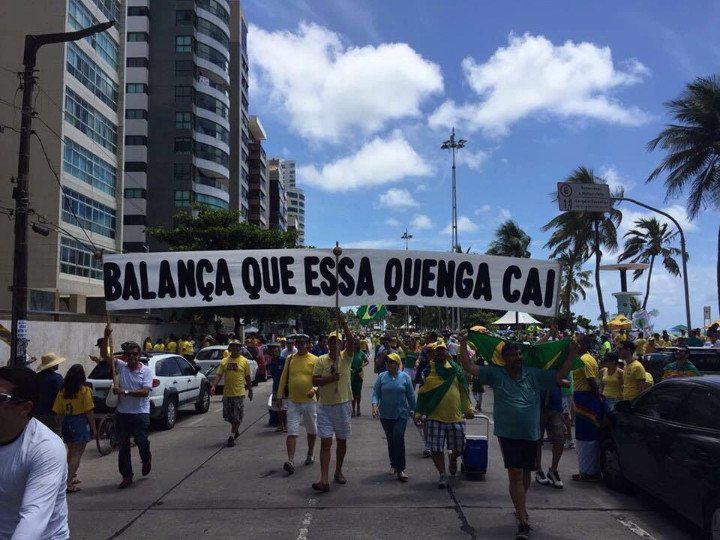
[
  {"x": 295, "y": 200},
  {"x": 259, "y": 197},
  {"x": 76, "y": 156},
  {"x": 278, "y": 196},
  {"x": 185, "y": 135}
]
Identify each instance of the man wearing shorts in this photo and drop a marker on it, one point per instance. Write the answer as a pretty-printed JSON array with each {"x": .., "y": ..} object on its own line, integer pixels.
[
  {"x": 444, "y": 399},
  {"x": 296, "y": 391},
  {"x": 551, "y": 421},
  {"x": 332, "y": 375},
  {"x": 517, "y": 391},
  {"x": 236, "y": 369}
]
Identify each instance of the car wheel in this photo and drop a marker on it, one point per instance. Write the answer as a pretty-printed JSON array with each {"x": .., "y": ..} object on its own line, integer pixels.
[
  {"x": 611, "y": 468},
  {"x": 203, "y": 403},
  {"x": 711, "y": 518},
  {"x": 170, "y": 415}
]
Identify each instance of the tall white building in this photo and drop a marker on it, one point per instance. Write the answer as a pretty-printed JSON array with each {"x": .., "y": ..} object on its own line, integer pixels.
[
  {"x": 79, "y": 120},
  {"x": 295, "y": 199}
]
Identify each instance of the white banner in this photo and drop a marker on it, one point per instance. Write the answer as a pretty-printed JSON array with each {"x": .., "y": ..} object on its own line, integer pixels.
[{"x": 307, "y": 277}]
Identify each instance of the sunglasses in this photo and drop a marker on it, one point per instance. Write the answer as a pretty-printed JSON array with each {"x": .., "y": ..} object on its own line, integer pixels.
[{"x": 9, "y": 397}]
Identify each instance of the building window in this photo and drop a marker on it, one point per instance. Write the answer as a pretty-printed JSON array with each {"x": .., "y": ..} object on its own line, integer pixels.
[
  {"x": 138, "y": 36},
  {"x": 183, "y": 43},
  {"x": 209, "y": 103},
  {"x": 79, "y": 17},
  {"x": 209, "y": 200},
  {"x": 183, "y": 17},
  {"x": 183, "y": 94},
  {"x": 135, "y": 140},
  {"x": 209, "y": 29},
  {"x": 183, "y": 198},
  {"x": 137, "y": 61},
  {"x": 91, "y": 76},
  {"x": 138, "y": 11},
  {"x": 110, "y": 8},
  {"x": 206, "y": 52},
  {"x": 135, "y": 166},
  {"x": 206, "y": 151},
  {"x": 77, "y": 259},
  {"x": 212, "y": 129},
  {"x": 134, "y": 219},
  {"x": 80, "y": 114},
  {"x": 183, "y": 120},
  {"x": 86, "y": 166},
  {"x": 135, "y": 193},
  {"x": 136, "y": 114},
  {"x": 216, "y": 9},
  {"x": 183, "y": 67},
  {"x": 136, "y": 88},
  {"x": 183, "y": 145},
  {"x": 182, "y": 171},
  {"x": 87, "y": 213}
]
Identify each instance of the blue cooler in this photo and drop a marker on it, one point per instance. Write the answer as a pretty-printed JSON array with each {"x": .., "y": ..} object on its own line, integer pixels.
[{"x": 475, "y": 456}]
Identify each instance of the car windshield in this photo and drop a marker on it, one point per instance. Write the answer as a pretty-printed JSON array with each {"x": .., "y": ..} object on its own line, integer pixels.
[{"x": 210, "y": 354}]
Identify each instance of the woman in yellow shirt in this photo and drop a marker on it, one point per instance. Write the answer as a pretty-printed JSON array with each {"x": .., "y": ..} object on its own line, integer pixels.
[
  {"x": 611, "y": 380},
  {"x": 74, "y": 405}
]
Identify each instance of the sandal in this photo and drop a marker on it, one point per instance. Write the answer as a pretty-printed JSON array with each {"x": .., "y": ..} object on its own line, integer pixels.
[
  {"x": 339, "y": 478},
  {"x": 319, "y": 486},
  {"x": 72, "y": 489}
]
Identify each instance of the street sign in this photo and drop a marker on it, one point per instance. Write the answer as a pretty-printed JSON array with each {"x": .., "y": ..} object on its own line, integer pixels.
[{"x": 575, "y": 197}]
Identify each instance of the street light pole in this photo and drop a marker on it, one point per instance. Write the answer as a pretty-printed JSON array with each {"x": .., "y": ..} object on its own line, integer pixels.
[
  {"x": 454, "y": 145},
  {"x": 18, "y": 340},
  {"x": 407, "y": 236}
]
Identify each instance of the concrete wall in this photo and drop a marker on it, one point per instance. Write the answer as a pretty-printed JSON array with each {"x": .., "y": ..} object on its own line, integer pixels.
[{"x": 76, "y": 340}]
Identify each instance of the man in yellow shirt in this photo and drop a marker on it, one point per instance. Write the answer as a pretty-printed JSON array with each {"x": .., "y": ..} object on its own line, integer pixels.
[
  {"x": 296, "y": 389},
  {"x": 236, "y": 369},
  {"x": 589, "y": 410},
  {"x": 332, "y": 374},
  {"x": 640, "y": 343},
  {"x": 171, "y": 346},
  {"x": 634, "y": 380}
]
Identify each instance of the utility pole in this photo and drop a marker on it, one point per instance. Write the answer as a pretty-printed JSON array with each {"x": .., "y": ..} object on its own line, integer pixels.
[{"x": 19, "y": 338}]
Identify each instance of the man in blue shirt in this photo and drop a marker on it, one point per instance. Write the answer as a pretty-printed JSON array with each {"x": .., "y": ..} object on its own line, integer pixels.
[
  {"x": 517, "y": 392},
  {"x": 50, "y": 383}
]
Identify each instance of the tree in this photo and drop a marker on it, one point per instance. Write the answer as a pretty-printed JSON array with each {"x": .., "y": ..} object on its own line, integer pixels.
[
  {"x": 573, "y": 279},
  {"x": 692, "y": 144},
  {"x": 584, "y": 233},
  {"x": 648, "y": 240},
  {"x": 510, "y": 241}
]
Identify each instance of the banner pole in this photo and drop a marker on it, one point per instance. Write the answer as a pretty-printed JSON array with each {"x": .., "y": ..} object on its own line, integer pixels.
[{"x": 337, "y": 251}]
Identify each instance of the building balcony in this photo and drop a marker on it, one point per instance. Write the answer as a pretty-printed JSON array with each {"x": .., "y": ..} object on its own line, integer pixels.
[
  {"x": 210, "y": 168},
  {"x": 217, "y": 21},
  {"x": 212, "y": 191},
  {"x": 211, "y": 71},
  {"x": 209, "y": 87},
  {"x": 212, "y": 141}
]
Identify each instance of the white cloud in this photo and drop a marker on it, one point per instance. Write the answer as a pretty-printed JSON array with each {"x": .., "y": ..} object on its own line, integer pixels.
[
  {"x": 504, "y": 214},
  {"x": 532, "y": 76},
  {"x": 327, "y": 88},
  {"x": 677, "y": 211},
  {"x": 378, "y": 162},
  {"x": 473, "y": 160},
  {"x": 483, "y": 209},
  {"x": 421, "y": 222},
  {"x": 382, "y": 243},
  {"x": 613, "y": 178},
  {"x": 421, "y": 187},
  {"x": 392, "y": 222},
  {"x": 464, "y": 225},
  {"x": 395, "y": 198}
]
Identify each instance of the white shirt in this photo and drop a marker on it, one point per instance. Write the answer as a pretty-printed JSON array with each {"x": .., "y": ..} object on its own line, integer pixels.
[
  {"x": 287, "y": 352},
  {"x": 133, "y": 380},
  {"x": 712, "y": 345},
  {"x": 33, "y": 477}
]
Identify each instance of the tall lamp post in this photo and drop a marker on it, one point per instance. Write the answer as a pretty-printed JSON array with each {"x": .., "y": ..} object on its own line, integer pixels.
[
  {"x": 407, "y": 236},
  {"x": 18, "y": 339},
  {"x": 454, "y": 145}
]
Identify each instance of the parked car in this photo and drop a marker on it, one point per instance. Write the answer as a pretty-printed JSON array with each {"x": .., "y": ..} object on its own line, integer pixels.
[
  {"x": 209, "y": 357},
  {"x": 705, "y": 359},
  {"x": 667, "y": 442},
  {"x": 176, "y": 384}
]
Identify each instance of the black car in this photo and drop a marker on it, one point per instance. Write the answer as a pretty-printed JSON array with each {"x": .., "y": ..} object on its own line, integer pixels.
[
  {"x": 667, "y": 442},
  {"x": 705, "y": 359}
]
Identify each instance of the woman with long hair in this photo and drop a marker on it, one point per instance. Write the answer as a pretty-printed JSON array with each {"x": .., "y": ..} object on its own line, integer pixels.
[{"x": 74, "y": 405}]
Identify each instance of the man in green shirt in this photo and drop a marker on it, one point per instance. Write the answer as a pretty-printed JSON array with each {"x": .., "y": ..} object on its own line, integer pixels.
[{"x": 681, "y": 367}]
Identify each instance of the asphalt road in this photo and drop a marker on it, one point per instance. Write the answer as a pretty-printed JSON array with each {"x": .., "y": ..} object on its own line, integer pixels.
[{"x": 199, "y": 488}]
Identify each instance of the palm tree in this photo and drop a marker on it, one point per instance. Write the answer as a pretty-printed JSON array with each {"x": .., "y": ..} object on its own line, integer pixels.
[
  {"x": 648, "y": 240},
  {"x": 692, "y": 162},
  {"x": 510, "y": 241},
  {"x": 585, "y": 233},
  {"x": 573, "y": 281}
]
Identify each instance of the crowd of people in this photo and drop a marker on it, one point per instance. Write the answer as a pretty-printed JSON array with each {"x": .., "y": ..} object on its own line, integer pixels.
[{"x": 317, "y": 383}]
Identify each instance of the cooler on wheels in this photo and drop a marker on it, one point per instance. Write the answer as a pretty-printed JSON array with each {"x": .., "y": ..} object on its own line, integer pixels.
[{"x": 475, "y": 455}]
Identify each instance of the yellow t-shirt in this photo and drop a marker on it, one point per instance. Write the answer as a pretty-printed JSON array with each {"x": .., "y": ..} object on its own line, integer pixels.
[
  {"x": 451, "y": 406},
  {"x": 148, "y": 346},
  {"x": 588, "y": 371},
  {"x": 159, "y": 347},
  {"x": 612, "y": 384},
  {"x": 338, "y": 391},
  {"x": 235, "y": 370},
  {"x": 640, "y": 346},
  {"x": 649, "y": 378},
  {"x": 634, "y": 374},
  {"x": 300, "y": 370},
  {"x": 171, "y": 346},
  {"x": 186, "y": 348},
  {"x": 80, "y": 403}
]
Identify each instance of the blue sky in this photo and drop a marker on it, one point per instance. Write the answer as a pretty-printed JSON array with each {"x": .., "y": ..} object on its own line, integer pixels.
[{"x": 361, "y": 94}]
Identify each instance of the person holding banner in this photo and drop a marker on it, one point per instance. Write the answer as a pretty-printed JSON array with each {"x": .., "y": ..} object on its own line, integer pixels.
[
  {"x": 332, "y": 375},
  {"x": 517, "y": 391}
]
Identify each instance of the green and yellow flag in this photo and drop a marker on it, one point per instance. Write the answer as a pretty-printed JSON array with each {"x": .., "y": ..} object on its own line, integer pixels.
[
  {"x": 367, "y": 314},
  {"x": 546, "y": 355}
]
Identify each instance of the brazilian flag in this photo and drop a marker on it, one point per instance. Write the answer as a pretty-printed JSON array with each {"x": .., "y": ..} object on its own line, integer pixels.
[
  {"x": 367, "y": 314},
  {"x": 545, "y": 355}
]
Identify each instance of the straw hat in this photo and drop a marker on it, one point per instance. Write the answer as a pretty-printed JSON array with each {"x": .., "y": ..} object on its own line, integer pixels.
[{"x": 49, "y": 360}]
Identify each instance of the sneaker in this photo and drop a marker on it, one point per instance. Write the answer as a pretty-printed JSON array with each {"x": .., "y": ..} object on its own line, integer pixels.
[
  {"x": 402, "y": 476},
  {"x": 427, "y": 453},
  {"x": 146, "y": 467},
  {"x": 126, "y": 482},
  {"x": 236, "y": 434},
  {"x": 289, "y": 467},
  {"x": 554, "y": 479},
  {"x": 523, "y": 532},
  {"x": 442, "y": 483},
  {"x": 309, "y": 460},
  {"x": 231, "y": 441},
  {"x": 569, "y": 445},
  {"x": 541, "y": 479}
]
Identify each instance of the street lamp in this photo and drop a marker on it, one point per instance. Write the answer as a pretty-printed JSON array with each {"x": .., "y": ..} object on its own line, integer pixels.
[{"x": 454, "y": 145}]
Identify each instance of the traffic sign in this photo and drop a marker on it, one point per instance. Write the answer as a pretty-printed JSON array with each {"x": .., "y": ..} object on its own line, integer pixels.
[{"x": 575, "y": 197}]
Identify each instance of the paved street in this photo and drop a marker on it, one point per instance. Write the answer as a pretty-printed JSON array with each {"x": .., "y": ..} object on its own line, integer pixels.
[{"x": 199, "y": 488}]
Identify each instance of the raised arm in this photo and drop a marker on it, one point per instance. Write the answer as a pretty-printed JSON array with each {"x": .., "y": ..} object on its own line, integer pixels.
[
  {"x": 349, "y": 338},
  {"x": 567, "y": 364},
  {"x": 465, "y": 357}
]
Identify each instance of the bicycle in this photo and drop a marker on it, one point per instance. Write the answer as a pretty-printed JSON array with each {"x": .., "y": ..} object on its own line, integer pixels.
[{"x": 106, "y": 438}]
